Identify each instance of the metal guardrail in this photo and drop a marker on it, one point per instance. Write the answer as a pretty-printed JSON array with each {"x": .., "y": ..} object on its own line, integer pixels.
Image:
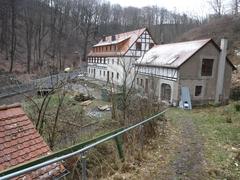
[{"x": 31, "y": 166}]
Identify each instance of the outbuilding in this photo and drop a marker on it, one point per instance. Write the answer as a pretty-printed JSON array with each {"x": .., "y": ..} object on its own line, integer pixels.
[{"x": 201, "y": 66}]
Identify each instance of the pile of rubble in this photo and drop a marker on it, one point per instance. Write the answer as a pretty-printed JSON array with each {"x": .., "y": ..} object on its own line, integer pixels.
[{"x": 82, "y": 97}]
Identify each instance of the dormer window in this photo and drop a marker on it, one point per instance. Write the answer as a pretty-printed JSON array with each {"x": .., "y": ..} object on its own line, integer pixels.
[
  {"x": 113, "y": 38},
  {"x": 104, "y": 38}
]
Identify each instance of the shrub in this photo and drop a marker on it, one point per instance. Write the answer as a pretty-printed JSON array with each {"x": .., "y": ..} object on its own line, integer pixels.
[
  {"x": 235, "y": 93},
  {"x": 237, "y": 107}
]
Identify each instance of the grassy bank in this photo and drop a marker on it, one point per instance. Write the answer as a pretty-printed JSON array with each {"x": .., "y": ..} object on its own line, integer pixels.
[
  {"x": 75, "y": 123},
  {"x": 220, "y": 129}
]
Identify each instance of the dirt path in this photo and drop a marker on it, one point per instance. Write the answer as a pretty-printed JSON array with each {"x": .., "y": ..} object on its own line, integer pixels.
[
  {"x": 175, "y": 155},
  {"x": 188, "y": 163}
]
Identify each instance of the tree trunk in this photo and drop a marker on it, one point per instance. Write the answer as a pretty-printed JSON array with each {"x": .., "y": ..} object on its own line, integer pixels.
[
  {"x": 85, "y": 45},
  {"x": 53, "y": 134},
  {"x": 13, "y": 35},
  {"x": 29, "y": 52}
]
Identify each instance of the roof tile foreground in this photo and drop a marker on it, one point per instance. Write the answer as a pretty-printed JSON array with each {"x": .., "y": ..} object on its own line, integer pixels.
[{"x": 20, "y": 142}]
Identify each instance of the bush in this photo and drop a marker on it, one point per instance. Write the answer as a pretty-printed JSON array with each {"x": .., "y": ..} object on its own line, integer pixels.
[
  {"x": 235, "y": 93},
  {"x": 237, "y": 107}
]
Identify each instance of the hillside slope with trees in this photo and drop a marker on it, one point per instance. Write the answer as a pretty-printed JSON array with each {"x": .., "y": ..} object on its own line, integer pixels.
[
  {"x": 36, "y": 35},
  {"x": 217, "y": 27},
  {"x": 227, "y": 26}
]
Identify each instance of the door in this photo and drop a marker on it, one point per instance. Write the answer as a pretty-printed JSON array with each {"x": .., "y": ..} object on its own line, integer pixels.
[
  {"x": 166, "y": 92},
  {"x": 94, "y": 73}
]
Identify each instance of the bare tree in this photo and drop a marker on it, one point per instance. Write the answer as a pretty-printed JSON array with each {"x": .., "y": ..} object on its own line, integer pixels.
[
  {"x": 217, "y": 6},
  {"x": 29, "y": 9},
  {"x": 5, "y": 35},
  {"x": 47, "y": 31},
  {"x": 52, "y": 135},
  {"x": 88, "y": 20},
  {"x": 62, "y": 30},
  {"x": 41, "y": 32},
  {"x": 235, "y": 6}
]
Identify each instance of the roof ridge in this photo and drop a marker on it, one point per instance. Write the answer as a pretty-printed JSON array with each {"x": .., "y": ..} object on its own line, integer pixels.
[
  {"x": 207, "y": 39},
  {"x": 5, "y": 107},
  {"x": 127, "y": 32}
]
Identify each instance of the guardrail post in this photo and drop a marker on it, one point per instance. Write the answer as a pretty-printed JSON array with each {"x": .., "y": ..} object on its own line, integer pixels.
[
  {"x": 119, "y": 147},
  {"x": 84, "y": 166}
]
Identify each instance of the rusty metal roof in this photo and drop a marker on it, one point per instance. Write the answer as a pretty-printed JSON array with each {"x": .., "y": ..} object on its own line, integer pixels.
[
  {"x": 171, "y": 55},
  {"x": 129, "y": 37},
  {"x": 108, "y": 41},
  {"x": 20, "y": 142}
]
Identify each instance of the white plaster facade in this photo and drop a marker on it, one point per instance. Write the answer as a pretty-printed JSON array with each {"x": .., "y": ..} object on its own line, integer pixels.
[
  {"x": 151, "y": 79},
  {"x": 111, "y": 71},
  {"x": 111, "y": 68}
]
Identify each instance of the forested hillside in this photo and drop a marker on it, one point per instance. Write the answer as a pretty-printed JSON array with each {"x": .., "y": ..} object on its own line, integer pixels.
[
  {"x": 226, "y": 26},
  {"x": 36, "y": 35}
]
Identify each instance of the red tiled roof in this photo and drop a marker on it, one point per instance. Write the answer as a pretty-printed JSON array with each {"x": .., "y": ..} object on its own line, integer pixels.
[{"x": 20, "y": 142}]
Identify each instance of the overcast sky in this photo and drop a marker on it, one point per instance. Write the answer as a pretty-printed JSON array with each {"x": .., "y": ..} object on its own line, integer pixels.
[{"x": 193, "y": 7}]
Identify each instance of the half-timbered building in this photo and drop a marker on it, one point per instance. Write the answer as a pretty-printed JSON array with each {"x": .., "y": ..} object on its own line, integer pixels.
[
  {"x": 111, "y": 59},
  {"x": 201, "y": 66}
]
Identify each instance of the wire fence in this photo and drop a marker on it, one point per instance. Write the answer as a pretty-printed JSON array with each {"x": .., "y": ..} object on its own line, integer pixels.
[
  {"x": 48, "y": 82},
  {"x": 16, "y": 89}
]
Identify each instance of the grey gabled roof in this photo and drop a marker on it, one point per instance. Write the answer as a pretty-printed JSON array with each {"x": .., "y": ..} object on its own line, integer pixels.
[{"x": 175, "y": 54}]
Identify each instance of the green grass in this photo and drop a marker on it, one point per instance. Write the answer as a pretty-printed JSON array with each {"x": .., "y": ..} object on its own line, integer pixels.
[{"x": 219, "y": 135}]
